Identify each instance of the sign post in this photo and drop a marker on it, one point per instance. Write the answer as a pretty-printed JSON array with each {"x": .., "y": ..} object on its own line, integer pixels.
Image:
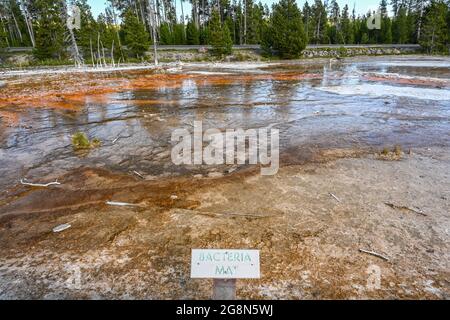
[
  {"x": 225, "y": 267},
  {"x": 224, "y": 289}
]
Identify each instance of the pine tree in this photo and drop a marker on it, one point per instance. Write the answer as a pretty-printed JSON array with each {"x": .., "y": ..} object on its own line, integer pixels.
[
  {"x": 204, "y": 35},
  {"x": 319, "y": 14},
  {"x": 192, "y": 34},
  {"x": 307, "y": 21},
  {"x": 385, "y": 34},
  {"x": 165, "y": 36},
  {"x": 448, "y": 23},
  {"x": 178, "y": 34},
  {"x": 254, "y": 20},
  {"x": 3, "y": 35},
  {"x": 254, "y": 15},
  {"x": 435, "y": 33},
  {"x": 347, "y": 29},
  {"x": 285, "y": 34},
  {"x": 365, "y": 38},
  {"x": 386, "y": 31},
  {"x": 400, "y": 27},
  {"x": 363, "y": 31},
  {"x": 335, "y": 33},
  {"x": 219, "y": 35},
  {"x": 50, "y": 29},
  {"x": 135, "y": 35}
]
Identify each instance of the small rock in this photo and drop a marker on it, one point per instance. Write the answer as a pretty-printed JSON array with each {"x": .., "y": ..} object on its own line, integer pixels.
[{"x": 2, "y": 84}]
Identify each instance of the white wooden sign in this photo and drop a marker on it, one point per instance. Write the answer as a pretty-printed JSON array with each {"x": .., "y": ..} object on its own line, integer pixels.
[{"x": 225, "y": 264}]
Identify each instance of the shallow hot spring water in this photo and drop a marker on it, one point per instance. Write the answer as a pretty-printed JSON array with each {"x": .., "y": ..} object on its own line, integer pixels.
[{"x": 355, "y": 103}]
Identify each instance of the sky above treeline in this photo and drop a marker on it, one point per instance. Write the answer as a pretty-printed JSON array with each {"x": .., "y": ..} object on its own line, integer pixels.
[{"x": 361, "y": 6}]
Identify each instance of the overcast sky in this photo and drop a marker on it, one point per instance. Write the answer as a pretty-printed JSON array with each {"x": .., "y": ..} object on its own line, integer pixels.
[{"x": 362, "y": 6}]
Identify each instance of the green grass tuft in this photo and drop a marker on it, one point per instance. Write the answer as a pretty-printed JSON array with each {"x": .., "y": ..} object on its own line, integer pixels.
[{"x": 80, "y": 141}]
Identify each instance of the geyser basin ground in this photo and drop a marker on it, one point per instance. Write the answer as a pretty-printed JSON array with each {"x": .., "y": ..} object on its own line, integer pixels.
[{"x": 334, "y": 118}]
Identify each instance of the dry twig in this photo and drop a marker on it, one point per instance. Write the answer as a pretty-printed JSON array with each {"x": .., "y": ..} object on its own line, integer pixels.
[
  {"x": 374, "y": 254},
  {"x": 336, "y": 198},
  {"x": 403, "y": 208},
  {"x": 55, "y": 183}
]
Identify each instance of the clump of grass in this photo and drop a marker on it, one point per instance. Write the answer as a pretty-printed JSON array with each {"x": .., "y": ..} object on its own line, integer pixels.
[
  {"x": 394, "y": 154},
  {"x": 398, "y": 150},
  {"x": 80, "y": 141},
  {"x": 96, "y": 143},
  {"x": 385, "y": 151}
]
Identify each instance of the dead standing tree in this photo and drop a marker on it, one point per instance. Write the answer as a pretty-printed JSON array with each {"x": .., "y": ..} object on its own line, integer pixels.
[
  {"x": 28, "y": 21},
  {"x": 153, "y": 26},
  {"x": 73, "y": 21}
]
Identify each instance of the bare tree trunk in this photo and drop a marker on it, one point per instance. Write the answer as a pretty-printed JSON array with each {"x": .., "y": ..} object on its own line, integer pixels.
[
  {"x": 99, "y": 56},
  {"x": 112, "y": 55},
  {"x": 182, "y": 18},
  {"x": 432, "y": 40},
  {"x": 17, "y": 27},
  {"x": 195, "y": 13},
  {"x": 203, "y": 11},
  {"x": 92, "y": 53},
  {"x": 29, "y": 24},
  {"x": 157, "y": 9},
  {"x": 141, "y": 10},
  {"x": 117, "y": 31},
  {"x": 136, "y": 13},
  {"x": 75, "y": 52},
  {"x": 103, "y": 54},
  {"x": 419, "y": 27},
  {"x": 152, "y": 21},
  {"x": 240, "y": 23},
  {"x": 78, "y": 59},
  {"x": 318, "y": 30},
  {"x": 245, "y": 21}
]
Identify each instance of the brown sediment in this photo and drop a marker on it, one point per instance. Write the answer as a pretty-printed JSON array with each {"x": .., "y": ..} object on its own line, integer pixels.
[
  {"x": 309, "y": 243},
  {"x": 93, "y": 187},
  {"x": 11, "y": 119}
]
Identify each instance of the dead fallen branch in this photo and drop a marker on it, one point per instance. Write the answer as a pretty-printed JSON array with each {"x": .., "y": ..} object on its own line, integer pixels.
[
  {"x": 117, "y": 138},
  {"x": 122, "y": 204},
  {"x": 336, "y": 198},
  {"x": 139, "y": 175},
  {"x": 374, "y": 254},
  {"x": 55, "y": 183},
  {"x": 403, "y": 208},
  {"x": 61, "y": 228}
]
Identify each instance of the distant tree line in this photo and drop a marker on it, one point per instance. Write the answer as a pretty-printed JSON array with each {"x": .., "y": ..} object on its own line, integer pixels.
[{"x": 127, "y": 28}]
